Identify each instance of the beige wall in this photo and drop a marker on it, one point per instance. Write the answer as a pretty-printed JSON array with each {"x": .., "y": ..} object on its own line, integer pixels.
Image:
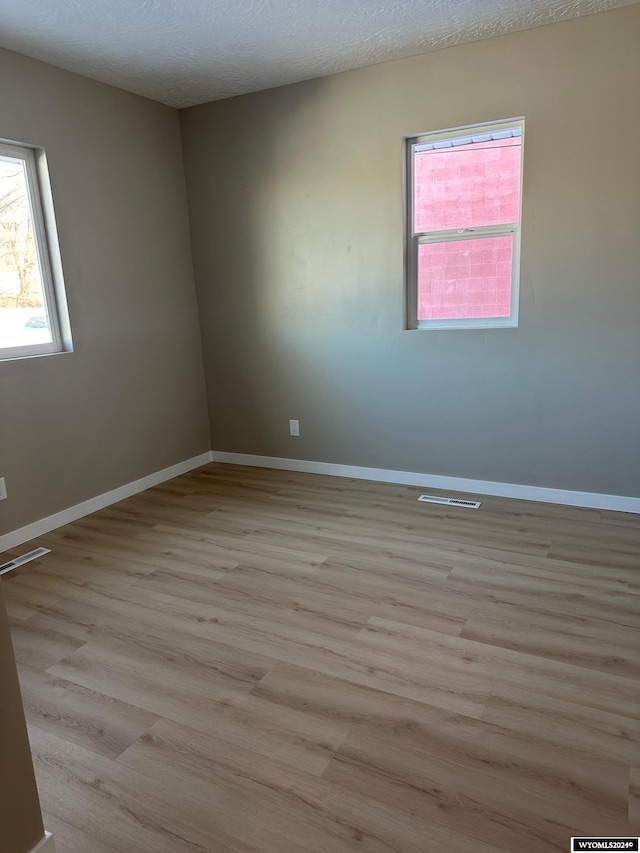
[
  {"x": 20, "y": 819},
  {"x": 130, "y": 400},
  {"x": 296, "y": 211}
]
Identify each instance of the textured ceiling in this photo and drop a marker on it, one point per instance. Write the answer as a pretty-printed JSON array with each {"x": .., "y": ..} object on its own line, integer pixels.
[{"x": 185, "y": 52}]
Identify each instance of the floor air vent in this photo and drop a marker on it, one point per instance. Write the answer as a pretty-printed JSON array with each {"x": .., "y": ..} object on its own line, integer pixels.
[
  {"x": 432, "y": 499},
  {"x": 30, "y": 555}
]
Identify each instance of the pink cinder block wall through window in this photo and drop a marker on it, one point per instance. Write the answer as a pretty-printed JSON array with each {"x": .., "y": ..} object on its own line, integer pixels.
[{"x": 466, "y": 187}]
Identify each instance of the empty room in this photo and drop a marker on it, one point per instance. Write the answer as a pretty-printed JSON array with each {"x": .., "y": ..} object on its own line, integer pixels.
[{"x": 319, "y": 426}]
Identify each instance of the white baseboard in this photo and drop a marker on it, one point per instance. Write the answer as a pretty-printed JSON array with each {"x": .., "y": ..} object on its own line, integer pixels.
[
  {"x": 591, "y": 500},
  {"x": 47, "y": 845},
  {"x": 73, "y": 513}
]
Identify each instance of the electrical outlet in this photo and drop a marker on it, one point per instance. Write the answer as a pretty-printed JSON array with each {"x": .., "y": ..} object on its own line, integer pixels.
[
  {"x": 3, "y": 489},
  {"x": 294, "y": 427}
]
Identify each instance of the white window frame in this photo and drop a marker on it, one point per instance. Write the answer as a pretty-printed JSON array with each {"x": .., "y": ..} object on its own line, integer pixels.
[
  {"x": 414, "y": 240},
  {"x": 47, "y": 249}
]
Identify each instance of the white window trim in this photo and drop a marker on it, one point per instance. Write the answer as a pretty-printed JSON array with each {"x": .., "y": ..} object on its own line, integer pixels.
[
  {"x": 413, "y": 241},
  {"x": 48, "y": 251}
]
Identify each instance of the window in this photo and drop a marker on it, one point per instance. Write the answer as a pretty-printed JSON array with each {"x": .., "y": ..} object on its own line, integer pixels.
[
  {"x": 33, "y": 316},
  {"x": 463, "y": 227}
]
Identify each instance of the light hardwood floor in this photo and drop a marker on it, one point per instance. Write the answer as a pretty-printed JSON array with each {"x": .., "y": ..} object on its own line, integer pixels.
[{"x": 244, "y": 660}]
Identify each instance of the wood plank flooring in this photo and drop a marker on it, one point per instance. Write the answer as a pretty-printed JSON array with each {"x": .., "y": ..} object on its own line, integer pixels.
[{"x": 254, "y": 661}]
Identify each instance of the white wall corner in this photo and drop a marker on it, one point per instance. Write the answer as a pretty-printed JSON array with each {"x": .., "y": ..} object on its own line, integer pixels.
[{"x": 47, "y": 845}]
